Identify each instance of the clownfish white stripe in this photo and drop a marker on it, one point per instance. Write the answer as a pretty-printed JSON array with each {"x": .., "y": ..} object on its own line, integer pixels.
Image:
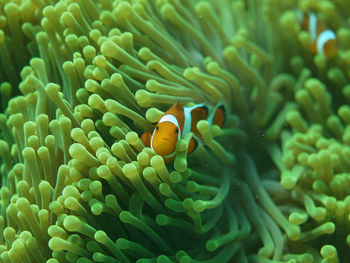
[
  {"x": 188, "y": 117},
  {"x": 323, "y": 38},
  {"x": 169, "y": 118},
  {"x": 173, "y": 120},
  {"x": 313, "y": 25},
  {"x": 188, "y": 120}
]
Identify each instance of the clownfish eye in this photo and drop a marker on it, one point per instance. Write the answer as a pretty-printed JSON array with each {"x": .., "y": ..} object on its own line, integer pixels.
[
  {"x": 177, "y": 130},
  {"x": 157, "y": 127}
]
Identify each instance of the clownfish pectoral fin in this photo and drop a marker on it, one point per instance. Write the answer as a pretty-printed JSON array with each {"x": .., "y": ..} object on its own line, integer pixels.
[
  {"x": 219, "y": 116},
  {"x": 192, "y": 145},
  {"x": 168, "y": 160},
  {"x": 146, "y": 138}
]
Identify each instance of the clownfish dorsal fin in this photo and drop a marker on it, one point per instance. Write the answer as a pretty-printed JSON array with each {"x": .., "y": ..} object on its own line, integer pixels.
[
  {"x": 177, "y": 110},
  {"x": 177, "y": 107},
  {"x": 199, "y": 113}
]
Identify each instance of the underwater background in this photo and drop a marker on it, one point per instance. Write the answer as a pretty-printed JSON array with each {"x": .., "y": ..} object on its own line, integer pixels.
[{"x": 81, "y": 80}]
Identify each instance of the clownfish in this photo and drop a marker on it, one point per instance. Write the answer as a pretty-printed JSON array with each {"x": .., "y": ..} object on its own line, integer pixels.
[
  {"x": 323, "y": 39},
  {"x": 176, "y": 122}
]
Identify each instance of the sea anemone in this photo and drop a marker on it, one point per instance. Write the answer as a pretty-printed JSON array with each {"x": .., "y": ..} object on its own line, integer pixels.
[{"x": 81, "y": 80}]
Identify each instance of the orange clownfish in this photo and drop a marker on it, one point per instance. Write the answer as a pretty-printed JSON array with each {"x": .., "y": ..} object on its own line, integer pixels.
[
  {"x": 176, "y": 122},
  {"x": 324, "y": 40}
]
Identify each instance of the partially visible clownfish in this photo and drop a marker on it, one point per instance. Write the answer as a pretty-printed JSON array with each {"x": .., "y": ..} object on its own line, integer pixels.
[
  {"x": 176, "y": 122},
  {"x": 323, "y": 39}
]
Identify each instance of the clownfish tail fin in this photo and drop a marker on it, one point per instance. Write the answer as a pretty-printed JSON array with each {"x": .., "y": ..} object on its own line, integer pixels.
[
  {"x": 146, "y": 138},
  {"x": 218, "y": 117}
]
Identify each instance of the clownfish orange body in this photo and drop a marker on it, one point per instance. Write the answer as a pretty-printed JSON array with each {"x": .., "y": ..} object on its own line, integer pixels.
[
  {"x": 323, "y": 39},
  {"x": 176, "y": 122}
]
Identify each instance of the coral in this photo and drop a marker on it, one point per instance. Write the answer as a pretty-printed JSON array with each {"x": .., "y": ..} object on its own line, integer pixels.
[{"x": 82, "y": 80}]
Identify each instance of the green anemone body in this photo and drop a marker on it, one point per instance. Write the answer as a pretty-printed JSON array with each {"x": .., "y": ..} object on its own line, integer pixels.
[{"x": 81, "y": 80}]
